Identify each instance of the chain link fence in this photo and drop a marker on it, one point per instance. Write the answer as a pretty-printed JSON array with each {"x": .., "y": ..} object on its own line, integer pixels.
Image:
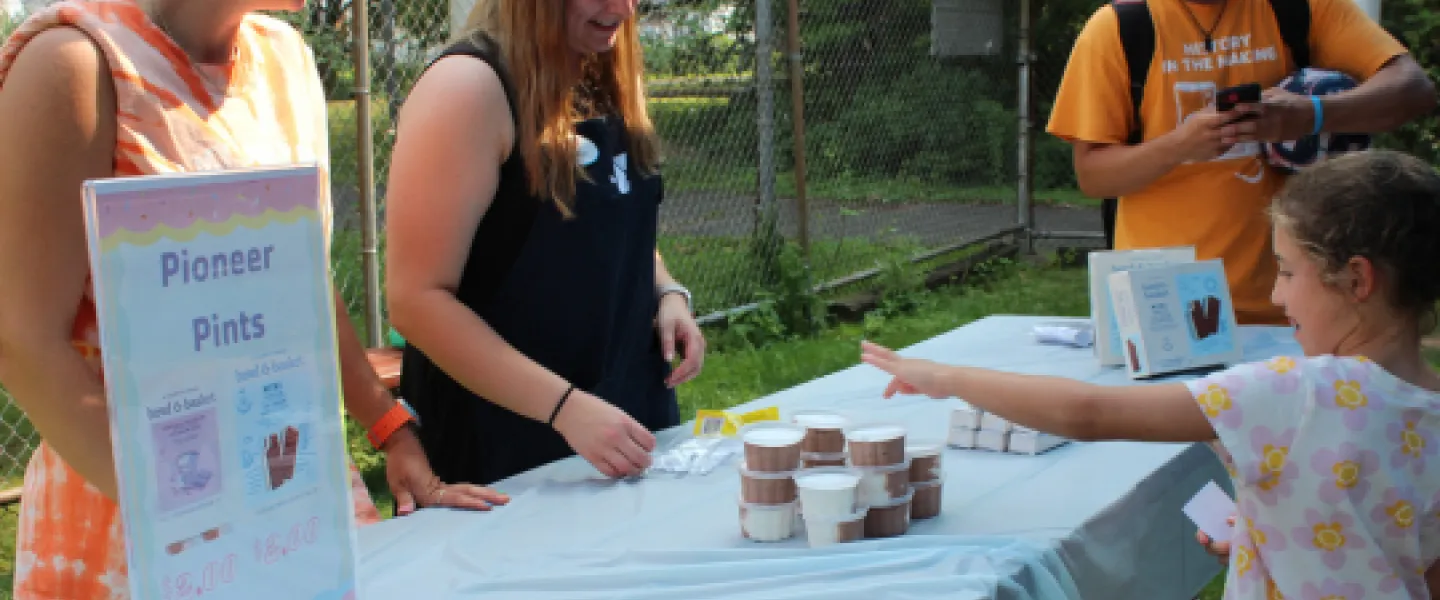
[
  {"x": 907, "y": 128},
  {"x": 908, "y": 139},
  {"x": 401, "y": 37},
  {"x": 903, "y": 143},
  {"x": 1063, "y": 216}
]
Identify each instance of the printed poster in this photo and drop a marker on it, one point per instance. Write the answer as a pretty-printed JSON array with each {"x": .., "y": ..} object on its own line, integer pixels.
[{"x": 217, "y": 324}]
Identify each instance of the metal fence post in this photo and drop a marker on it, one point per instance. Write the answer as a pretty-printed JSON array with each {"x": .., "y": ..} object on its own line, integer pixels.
[
  {"x": 387, "y": 60},
  {"x": 1024, "y": 195},
  {"x": 797, "y": 123},
  {"x": 365, "y": 151},
  {"x": 765, "y": 111}
]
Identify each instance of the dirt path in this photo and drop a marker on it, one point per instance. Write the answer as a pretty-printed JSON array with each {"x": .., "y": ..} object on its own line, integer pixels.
[{"x": 724, "y": 214}]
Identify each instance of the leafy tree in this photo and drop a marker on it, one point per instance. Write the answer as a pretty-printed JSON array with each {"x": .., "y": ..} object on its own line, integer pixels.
[
  {"x": 1417, "y": 24},
  {"x": 327, "y": 23}
]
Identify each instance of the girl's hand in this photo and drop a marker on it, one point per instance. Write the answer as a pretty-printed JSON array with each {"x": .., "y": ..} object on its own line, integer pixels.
[
  {"x": 1221, "y": 550},
  {"x": 912, "y": 375}
]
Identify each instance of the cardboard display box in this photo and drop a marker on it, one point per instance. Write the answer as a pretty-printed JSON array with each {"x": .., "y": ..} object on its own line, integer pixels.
[
  {"x": 1108, "y": 347},
  {"x": 1175, "y": 318}
]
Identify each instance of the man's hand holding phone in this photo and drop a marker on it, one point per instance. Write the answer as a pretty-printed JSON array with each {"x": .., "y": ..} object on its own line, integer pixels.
[
  {"x": 1272, "y": 116},
  {"x": 1240, "y": 101},
  {"x": 1241, "y": 114},
  {"x": 1201, "y": 137}
]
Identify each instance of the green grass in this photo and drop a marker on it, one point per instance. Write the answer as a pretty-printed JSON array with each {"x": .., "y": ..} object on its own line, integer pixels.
[
  {"x": 9, "y": 515},
  {"x": 734, "y": 376},
  {"x": 1215, "y": 590},
  {"x": 722, "y": 272},
  {"x": 698, "y": 173}
]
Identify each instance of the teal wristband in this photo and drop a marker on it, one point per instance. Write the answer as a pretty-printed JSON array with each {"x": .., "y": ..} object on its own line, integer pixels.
[{"x": 1319, "y": 115}]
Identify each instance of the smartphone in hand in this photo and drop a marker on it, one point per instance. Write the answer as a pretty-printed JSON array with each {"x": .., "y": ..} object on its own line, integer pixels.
[{"x": 1229, "y": 98}]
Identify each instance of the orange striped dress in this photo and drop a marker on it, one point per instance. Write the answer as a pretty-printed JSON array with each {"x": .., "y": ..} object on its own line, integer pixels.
[{"x": 265, "y": 107}]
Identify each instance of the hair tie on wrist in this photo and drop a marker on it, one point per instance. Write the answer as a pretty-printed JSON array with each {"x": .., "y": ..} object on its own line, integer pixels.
[
  {"x": 556, "y": 411},
  {"x": 1319, "y": 115}
]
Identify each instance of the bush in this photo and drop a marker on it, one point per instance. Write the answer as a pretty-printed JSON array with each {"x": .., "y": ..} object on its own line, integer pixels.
[
  {"x": 933, "y": 124},
  {"x": 1416, "y": 23},
  {"x": 711, "y": 130}
]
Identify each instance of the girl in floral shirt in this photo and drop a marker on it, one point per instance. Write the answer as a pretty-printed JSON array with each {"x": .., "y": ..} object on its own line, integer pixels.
[{"x": 1335, "y": 454}]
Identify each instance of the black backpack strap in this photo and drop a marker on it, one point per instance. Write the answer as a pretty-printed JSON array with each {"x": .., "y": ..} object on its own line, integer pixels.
[
  {"x": 1137, "y": 37},
  {"x": 1293, "y": 17}
]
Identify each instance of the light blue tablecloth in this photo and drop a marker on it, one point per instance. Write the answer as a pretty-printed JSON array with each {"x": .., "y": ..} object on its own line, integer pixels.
[{"x": 1087, "y": 520}]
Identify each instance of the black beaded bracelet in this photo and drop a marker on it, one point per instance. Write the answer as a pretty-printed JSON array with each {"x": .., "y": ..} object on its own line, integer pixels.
[{"x": 563, "y": 398}]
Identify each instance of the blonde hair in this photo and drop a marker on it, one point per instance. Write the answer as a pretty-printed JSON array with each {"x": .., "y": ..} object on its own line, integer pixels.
[{"x": 532, "y": 41}]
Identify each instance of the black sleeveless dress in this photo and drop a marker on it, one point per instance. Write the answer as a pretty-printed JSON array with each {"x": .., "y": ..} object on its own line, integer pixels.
[{"x": 577, "y": 296}]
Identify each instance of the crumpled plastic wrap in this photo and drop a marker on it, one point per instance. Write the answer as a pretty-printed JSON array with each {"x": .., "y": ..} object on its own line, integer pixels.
[
  {"x": 1076, "y": 334},
  {"x": 714, "y": 440},
  {"x": 694, "y": 455}
]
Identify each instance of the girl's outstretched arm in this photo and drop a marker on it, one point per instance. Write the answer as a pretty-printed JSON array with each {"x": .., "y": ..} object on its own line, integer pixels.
[{"x": 1066, "y": 407}]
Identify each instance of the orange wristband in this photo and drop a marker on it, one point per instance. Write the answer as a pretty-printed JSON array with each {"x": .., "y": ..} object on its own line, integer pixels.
[{"x": 393, "y": 420}]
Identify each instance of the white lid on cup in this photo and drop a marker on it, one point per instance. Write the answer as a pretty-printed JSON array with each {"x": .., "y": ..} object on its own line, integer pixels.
[
  {"x": 772, "y": 434},
  {"x": 820, "y": 419},
  {"x": 875, "y": 432},
  {"x": 827, "y": 478}
]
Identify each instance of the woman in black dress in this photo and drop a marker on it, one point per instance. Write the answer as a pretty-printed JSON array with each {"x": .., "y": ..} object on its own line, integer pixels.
[{"x": 522, "y": 267}]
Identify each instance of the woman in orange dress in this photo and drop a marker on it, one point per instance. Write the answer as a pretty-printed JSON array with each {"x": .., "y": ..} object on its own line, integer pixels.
[{"x": 107, "y": 88}]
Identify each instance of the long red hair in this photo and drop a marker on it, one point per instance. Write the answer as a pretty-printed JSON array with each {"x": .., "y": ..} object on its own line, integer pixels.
[{"x": 532, "y": 39}]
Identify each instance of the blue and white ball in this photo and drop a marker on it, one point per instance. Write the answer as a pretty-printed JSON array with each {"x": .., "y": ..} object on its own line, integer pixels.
[{"x": 1306, "y": 151}]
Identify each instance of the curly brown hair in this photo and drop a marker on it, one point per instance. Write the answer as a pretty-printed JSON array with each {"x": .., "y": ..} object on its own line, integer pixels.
[{"x": 1379, "y": 204}]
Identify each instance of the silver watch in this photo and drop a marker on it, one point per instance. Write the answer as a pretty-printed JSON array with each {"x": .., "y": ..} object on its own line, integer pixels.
[{"x": 675, "y": 288}]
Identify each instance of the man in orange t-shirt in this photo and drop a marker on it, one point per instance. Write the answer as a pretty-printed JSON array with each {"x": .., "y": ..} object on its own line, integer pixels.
[{"x": 1198, "y": 178}]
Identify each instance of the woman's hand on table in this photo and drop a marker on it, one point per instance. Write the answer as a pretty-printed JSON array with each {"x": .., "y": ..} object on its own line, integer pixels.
[
  {"x": 912, "y": 375},
  {"x": 413, "y": 481},
  {"x": 1220, "y": 550},
  {"x": 615, "y": 443},
  {"x": 677, "y": 326}
]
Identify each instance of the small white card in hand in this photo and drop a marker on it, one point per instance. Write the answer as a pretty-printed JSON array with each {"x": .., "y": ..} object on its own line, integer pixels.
[{"x": 1210, "y": 509}]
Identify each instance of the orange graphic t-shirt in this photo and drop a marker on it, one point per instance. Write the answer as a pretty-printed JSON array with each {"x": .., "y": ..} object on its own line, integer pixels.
[{"x": 1218, "y": 205}]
